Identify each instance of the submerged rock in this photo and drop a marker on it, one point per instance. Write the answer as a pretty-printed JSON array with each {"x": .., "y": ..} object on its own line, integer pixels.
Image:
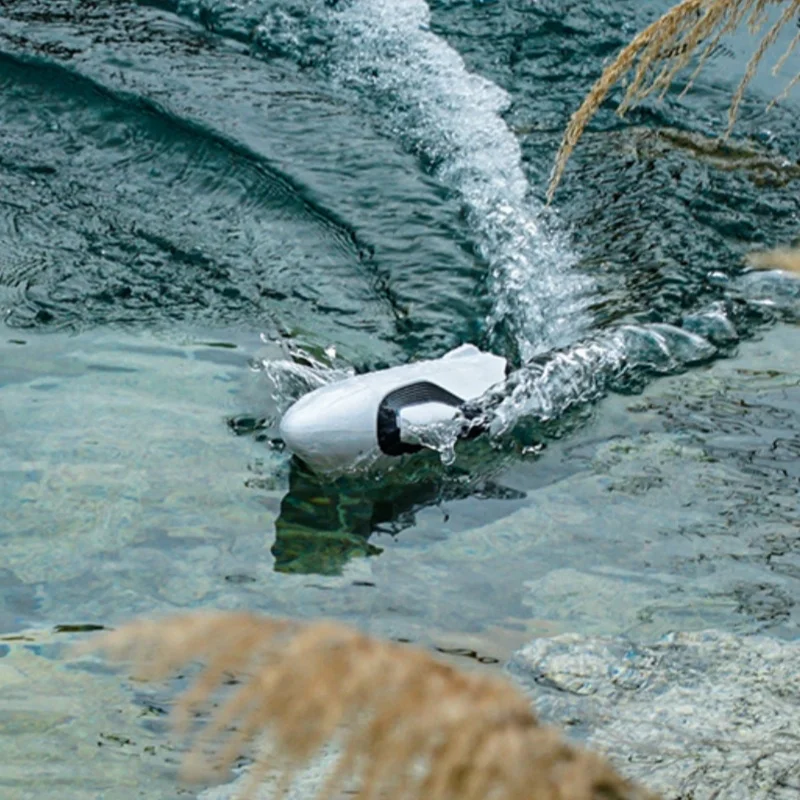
[{"x": 693, "y": 715}]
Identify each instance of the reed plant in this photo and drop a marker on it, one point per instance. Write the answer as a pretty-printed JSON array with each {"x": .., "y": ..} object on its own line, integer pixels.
[
  {"x": 655, "y": 56},
  {"x": 407, "y": 726},
  {"x": 783, "y": 258}
]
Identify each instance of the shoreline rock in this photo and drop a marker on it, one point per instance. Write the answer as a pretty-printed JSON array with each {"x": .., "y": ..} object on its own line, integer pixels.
[{"x": 692, "y": 715}]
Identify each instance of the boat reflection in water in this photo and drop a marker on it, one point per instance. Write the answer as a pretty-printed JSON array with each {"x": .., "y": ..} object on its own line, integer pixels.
[{"x": 324, "y": 522}]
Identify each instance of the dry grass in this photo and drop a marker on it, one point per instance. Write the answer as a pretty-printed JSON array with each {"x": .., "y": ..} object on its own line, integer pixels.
[
  {"x": 407, "y": 725},
  {"x": 785, "y": 258},
  {"x": 662, "y": 50}
]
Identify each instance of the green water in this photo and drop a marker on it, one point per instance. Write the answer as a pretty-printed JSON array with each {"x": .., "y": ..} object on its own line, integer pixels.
[{"x": 206, "y": 205}]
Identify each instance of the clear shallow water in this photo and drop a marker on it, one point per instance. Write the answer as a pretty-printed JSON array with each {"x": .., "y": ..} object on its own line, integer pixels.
[
  {"x": 675, "y": 509},
  {"x": 197, "y": 195}
]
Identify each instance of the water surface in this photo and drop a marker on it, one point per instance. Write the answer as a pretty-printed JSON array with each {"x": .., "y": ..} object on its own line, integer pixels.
[{"x": 209, "y": 207}]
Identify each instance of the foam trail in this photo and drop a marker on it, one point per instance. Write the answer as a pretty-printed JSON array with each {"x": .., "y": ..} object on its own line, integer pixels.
[
  {"x": 454, "y": 119},
  {"x": 383, "y": 52}
]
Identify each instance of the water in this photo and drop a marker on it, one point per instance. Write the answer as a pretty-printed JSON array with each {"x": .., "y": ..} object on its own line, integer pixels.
[{"x": 210, "y": 207}]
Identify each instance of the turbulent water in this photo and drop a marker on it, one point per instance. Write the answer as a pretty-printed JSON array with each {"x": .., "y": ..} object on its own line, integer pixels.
[
  {"x": 369, "y": 175},
  {"x": 209, "y": 207}
]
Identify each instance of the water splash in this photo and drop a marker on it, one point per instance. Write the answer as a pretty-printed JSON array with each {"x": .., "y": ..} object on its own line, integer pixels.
[
  {"x": 297, "y": 373},
  {"x": 551, "y": 385},
  {"x": 622, "y": 358}
]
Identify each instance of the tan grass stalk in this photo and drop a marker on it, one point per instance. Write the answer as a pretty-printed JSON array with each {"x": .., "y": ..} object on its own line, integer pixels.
[
  {"x": 663, "y": 49},
  {"x": 408, "y": 726},
  {"x": 785, "y": 258}
]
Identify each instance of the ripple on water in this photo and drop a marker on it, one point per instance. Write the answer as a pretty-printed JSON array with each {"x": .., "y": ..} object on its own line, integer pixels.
[
  {"x": 125, "y": 217},
  {"x": 410, "y": 252}
]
